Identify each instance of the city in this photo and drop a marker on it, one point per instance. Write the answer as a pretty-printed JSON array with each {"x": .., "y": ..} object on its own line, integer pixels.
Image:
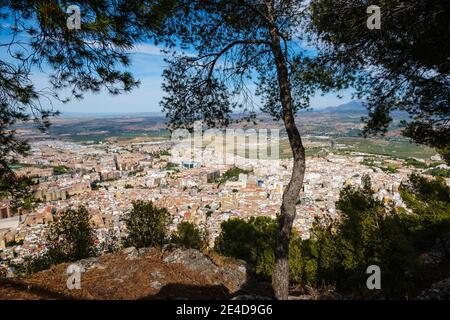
[{"x": 106, "y": 179}]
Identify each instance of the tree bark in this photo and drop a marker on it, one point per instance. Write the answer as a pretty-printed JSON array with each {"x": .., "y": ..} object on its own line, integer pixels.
[{"x": 280, "y": 277}]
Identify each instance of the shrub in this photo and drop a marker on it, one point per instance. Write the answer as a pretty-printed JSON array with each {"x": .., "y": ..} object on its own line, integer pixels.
[
  {"x": 254, "y": 242},
  {"x": 189, "y": 236},
  {"x": 71, "y": 236},
  {"x": 429, "y": 200},
  {"x": 60, "y": 170},
  {"x": 232, "y": 174},
  {"x": 439, "y": 172},
  {"x": 416, "y": 163},
  {"x": 147, "y": 225},
  {"x": 368, "y": 234}
]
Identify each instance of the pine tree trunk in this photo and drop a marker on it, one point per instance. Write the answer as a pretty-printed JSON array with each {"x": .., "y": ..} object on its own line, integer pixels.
[{"x": 280, "y": 277}]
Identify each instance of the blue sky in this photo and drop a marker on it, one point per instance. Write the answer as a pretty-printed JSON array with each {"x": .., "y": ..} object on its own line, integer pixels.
[{"x": 147, "y": 66}]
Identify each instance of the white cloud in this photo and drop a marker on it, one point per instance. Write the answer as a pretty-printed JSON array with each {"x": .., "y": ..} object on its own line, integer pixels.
[{"x": 145, "y": 48}]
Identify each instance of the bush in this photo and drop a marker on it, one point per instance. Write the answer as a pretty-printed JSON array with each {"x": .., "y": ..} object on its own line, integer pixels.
[
  {"x": 71, "y": 236},
  {"x": 14, "y": 243},
  {"x": 60, "y": 170},
  {"x": 232, "y": 174},
  {"x": 368, "y": 234},
  {"x": 147, "y": 225},
  {"x": 416, "y": 163},
  {"x": 438, "y": 172},
  {"x": 430, "y": 202},
  {"x": 254, "y": 242},
  {"x": 189, "y": 236}
]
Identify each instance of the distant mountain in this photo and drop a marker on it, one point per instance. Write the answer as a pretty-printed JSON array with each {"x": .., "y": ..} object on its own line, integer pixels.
[
  {"x": 357, "y": 108},
  {"x": 351, "y": 107}
]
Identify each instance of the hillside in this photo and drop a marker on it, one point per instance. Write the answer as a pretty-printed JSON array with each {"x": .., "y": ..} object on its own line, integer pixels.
[
  {"x": 144, "y": 274},
  {"x": 173, "y": 274}
]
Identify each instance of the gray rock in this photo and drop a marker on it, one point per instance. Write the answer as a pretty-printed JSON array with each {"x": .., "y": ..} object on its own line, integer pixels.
[
  {"x": 233, "y": 275},
  {"x": 438, "y": 291},
  {"x": 156, "y": 285},
  {"x": 131, "y": 252},
  {"x": 90, "y": 263},
  {"x": 192, "y": 259},
  {"x": 157, "y": 274},
  {"x": 143, "y": 251}
]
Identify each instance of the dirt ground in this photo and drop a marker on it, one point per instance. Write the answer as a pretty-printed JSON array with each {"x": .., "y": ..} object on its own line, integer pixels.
[{"x": 143, "y": 276}]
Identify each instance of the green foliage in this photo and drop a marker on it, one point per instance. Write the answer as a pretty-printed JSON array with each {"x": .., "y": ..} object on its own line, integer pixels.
[
  {"x": 147, "y": 225},
  {"x": 232, "y": 174},
  {"x": 172, "y": 166},
  {"x": 18, "y": 189},
  {"x": 189, "y": 236},
  {"x": 95, "y": 185},
  {"x": 368, "y": 234},
  {"x": 416, "y": 163},
  {"x": 430, "y": 202},
  {"x": 60, "y": 170},
  {"x": 71, "y": 236},
  {"x": 34, "y": 264},
  {"x": 445, "y": 153},
  {"x": 165, "y": 153},
  {"x": 14, "y": 243},
  {"x": 439, "y": 172},
  {"x": 240, "y": 34},
  {"x": 254, "y": 242},
  {"x": 402, "y": 67},
  {"x": 371, "y": 163}
]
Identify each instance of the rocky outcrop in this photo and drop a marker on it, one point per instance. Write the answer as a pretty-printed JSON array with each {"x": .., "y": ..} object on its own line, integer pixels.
[
  {"x": 137, "y": 274},
  {"x": 439, "y": 251},
  {"x": 232, "y": 274},
  {"x": 438, "y": 291}
]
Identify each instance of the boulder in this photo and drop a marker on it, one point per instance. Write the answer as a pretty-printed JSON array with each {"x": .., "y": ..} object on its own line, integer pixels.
[
  {"x": 233, "y": 275},
  {"x": 438, "y": 291},
  {"x": 90, "y": 263},
  {"x": 132, "y": 253},
  {"x": 191, "y": 259}
]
